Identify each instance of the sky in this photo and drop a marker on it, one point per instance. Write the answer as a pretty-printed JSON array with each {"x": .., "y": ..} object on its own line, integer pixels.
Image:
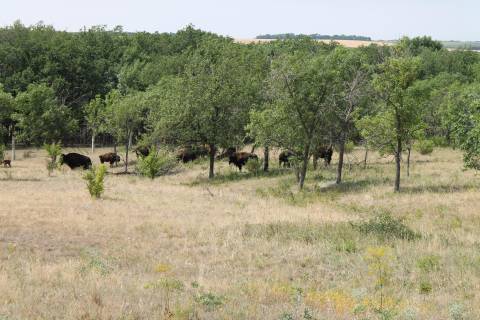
[{"x": 379, "y": 19}]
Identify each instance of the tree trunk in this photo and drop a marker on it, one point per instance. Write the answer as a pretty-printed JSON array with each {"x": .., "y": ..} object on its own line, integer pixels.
[
  {"x": 129, "y": 143},
  {"x": 408, "y": 160},
  {"x": 115, "y": 146},
  {"x": 303, "y": 172},
  {"x": 315, "y": 161},
  {"x": 341, "y": 153},
  {"x": 93, "y": 142},
  {"x": 366, "y": 157},
  {"x": 211, "y": 172},
  {"x": 398, "y": 158},
  {"x": 13, "y": 145},
  {"x": 267, "y": 158}
]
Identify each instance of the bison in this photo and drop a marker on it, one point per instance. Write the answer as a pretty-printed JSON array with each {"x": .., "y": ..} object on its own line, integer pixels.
[
  {"x": 7, "y": 163},
  {"x": 323, "y": 152},
  {"x": 284, "y": 158},
  {"x": 190, "y": 153},
  {"x": 110, "y": 157},
  {"x": 226, "y": 153},
  {"x": 142, "y": 151},
  {"x": 75, "y": 160},
  {"x": 239, "y": 159}
]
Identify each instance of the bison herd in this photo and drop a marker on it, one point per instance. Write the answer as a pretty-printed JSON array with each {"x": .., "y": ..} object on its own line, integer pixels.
[{"x": 191, "y": 153}]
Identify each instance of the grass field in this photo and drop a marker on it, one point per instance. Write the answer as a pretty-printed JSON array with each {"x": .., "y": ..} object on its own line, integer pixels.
[{"x": 242, "y": 247}]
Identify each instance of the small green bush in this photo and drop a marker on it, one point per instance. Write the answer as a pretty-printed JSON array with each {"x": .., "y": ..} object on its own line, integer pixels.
[
  {"x": 349, "y": 146},
  {"x": 210, "y": 301},
  {"x": 254, "y": 166},
  {"x": 425, "y": 146},
  {"x": 95, "y": 180},
  {"x": 54, "y": 150},
  {"x": 425, "y": 287},
  {"x": 2, "y": 152},
  {"x": 429, "y": 263},
  {"x": 440, "y": 141},
  {"x": 156, "y": 164},
  {"x": 385, "y": 227}
]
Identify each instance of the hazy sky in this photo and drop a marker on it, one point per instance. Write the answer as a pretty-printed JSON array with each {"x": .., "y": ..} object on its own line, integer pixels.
[{"x": 379, "y": 19}]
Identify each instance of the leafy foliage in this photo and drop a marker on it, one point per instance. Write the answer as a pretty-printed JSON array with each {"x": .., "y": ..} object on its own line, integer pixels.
[
  {"x": 54, "y": 150},
  {"x": 385, "y": 227},
  {"x": 156, "y": 163},
  {"x": 425, "y": 146},
  {"x": 95, "y": 180}
]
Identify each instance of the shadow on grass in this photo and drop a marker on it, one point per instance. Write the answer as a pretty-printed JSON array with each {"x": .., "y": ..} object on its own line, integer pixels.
[
  {"x": 239, "y": 176},
  {"x": 21, "y": 179},
  {"x": 442, "y": 188},
  {"x": 353, "y": 186}
]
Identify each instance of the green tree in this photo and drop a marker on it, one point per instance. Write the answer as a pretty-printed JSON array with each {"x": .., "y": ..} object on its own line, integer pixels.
[
  {"x": 95, "y": 117},
  {"x": 7, "y": 124},
  {"x": 40, "y": 119},
  {"x": 302, "y": 86},
  {"x": 125, "y": 117},
  {"x": 398, "y": 117},
  {"x": 351, "y": 91},
  {"x": 209, "y": 102},
  {"x": 464, "y": 117}
]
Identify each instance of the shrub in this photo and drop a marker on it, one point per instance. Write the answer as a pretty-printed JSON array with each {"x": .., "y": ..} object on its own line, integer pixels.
[
  {"x": 349, "y": 146},
  {"x": 156, "y": 164},
  {"x": 425, "y": 146},
  {"x": 54, "y": 150},
  {"x": 253, "y": 166},
  {"x": 425, "y": 287},
  {"x": 2, "y": 152},
  {"x": 95, "y": 180},
  {"x": 210, "y": 301},
  {"x": 440, "y": 141},
  {"x": 385, "y": 227},
  {"x": 429, "y": 263}
]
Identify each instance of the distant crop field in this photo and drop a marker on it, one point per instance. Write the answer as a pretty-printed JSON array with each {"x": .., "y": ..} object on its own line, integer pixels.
[
  {"x": 346, "y": 43},
  {"x": 241, "y": 246}
]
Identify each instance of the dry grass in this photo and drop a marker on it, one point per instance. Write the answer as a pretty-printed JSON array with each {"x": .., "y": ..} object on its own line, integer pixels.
[{"x": 182, "y": 248}]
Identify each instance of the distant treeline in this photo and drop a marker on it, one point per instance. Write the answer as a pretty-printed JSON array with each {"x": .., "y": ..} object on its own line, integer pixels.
[{"x": 315, "y": 36}]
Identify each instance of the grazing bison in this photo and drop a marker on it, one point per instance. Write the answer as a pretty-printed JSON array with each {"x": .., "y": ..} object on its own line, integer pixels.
[
  {"x": 323, "y": 152},
  {"x": 226, "y": 153},
  {"x": 7, "y": 163},
  {"x": 284, "y": 158},
  {"x": 142, "y": 151},
  {"x": 111, "y": 158},
  {"x": 75, "y": 160},
  {"x": 190, "y": 153},
  {"x": 239, "y": 159}
]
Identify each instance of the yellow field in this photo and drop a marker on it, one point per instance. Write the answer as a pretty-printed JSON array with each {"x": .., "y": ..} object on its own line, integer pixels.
[
  {"x": 242, "y": 247},
  {"x": 346, "y": 43}
]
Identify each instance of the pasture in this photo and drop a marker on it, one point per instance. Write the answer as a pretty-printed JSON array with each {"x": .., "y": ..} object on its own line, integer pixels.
[{"x": 241, "y": 246}]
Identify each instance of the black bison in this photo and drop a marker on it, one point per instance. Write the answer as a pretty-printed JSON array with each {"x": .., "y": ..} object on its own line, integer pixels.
[
  {"x": 226, "y": 153},
  {"x": 284, "y": 158},
  {"x": 142, "y": 151},
  {"x": 239, "y": 159},
  {"x": 7, "y": 163},
  {"x": 111, "y": 158},
  {"x": 190, "y": 153},
  {"x": 324, "y": 153},
  {"x": 75, "y": 160}
]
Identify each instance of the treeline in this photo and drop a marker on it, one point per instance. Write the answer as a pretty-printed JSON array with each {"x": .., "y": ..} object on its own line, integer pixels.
[
  {"x": 316, "y": 36},
  {"x": 198, "y": 89}
]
